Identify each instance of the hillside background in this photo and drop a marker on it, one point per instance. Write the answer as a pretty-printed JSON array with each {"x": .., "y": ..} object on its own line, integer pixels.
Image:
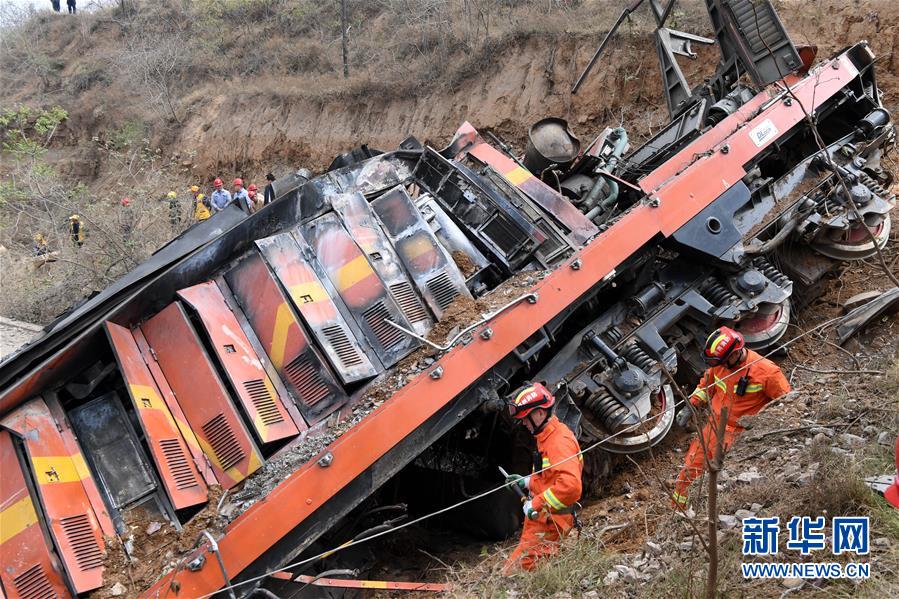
[{"x": 164, "y": 94}]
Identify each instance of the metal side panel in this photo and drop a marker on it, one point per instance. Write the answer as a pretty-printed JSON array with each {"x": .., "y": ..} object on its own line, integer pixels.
[
  {"x": 201, "y": 462},
  {"x": 431, "y": 267},
  {"x": 285, "y": 339},
  {"x": 361, "y": 222},
  {"x": 113, "y": 451},
  {"x": 761, "y": 41},
  {"x": 287, "y": 398},
  {"x": 202, "y": 395},
  {"x": 74, "y": 449},
  {"x": 248, "y": 378},
  {"x": 580, "y": 228},
  {"x": 318, "y": 308},
  {"x": 27, "y": 568},
  {"x": 58, "y": 476},
  {"x": 359, "y": 286},
  {"x": 447, "y": 231},
  {"x": 170, "y": 453}
]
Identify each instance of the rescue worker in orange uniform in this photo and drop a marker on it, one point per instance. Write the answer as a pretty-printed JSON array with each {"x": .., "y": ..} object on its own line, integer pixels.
[
  {"x": 739, "y": 379},
  {"x": 552, "y": 490}
]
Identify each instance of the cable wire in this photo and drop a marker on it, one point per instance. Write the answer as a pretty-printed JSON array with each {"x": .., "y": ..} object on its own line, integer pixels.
[{"x": 483, "y": 494}]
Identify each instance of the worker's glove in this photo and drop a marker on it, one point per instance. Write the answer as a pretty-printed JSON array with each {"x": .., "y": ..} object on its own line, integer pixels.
[
  {"x": 522, "y": 482},
  {"x": 683, "y": 417},
  {"x": 529, "y": 512}
]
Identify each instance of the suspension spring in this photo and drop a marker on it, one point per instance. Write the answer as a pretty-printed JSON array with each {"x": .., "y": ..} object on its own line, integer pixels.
[
  {"x": 767, "y": 269},
  {"x": 869, "y": 182},
  {"x": 635, "y": 355},
  {"x": 718, "y": 294},
  {"x": 613, "y": 334},
  {"x": 607, "y": 409}
]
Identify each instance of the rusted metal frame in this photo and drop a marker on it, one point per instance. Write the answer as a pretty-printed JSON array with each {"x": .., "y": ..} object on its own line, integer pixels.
[
  {"x": 271, "y": 372},
  {"x": 284, "y": 338},
  {"x": 179, "y": 475},
  {"x": 357, "y": 216},
  {"x": 249, "y": 382},
  {"x": 27, "y": 567},
  {"x": 201, "y": 462},
  {"x": 311, "y": 486},
  {"x": 202, "y": 395},
  {"x": 361, "y": 289},
  {"x": 58, "y": 476}
]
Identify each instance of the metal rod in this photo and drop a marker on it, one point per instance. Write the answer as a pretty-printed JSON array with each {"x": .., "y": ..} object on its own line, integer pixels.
[
  {"x": 624, "y": 14},
  {"x": 531, "y": 297},
  {"x": 214, "y": 547}
]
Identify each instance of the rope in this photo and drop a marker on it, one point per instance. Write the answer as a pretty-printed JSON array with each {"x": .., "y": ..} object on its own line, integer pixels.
[{"x": 446, "y": 509}]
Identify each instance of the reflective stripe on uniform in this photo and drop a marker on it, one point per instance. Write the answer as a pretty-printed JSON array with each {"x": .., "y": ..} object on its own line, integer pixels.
[
  {"x": 720, "y": 384},
  {"x": 678, "y": 498},
  {"x": 700, "y": 394},
  {"x": 552, "y": 500},
  {"x": 755, "y": 388},
  {"x": 546, "y": 463}
]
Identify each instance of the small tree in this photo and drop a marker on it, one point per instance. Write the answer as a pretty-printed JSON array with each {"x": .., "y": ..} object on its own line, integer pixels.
[{"x": 154, "y": 65}]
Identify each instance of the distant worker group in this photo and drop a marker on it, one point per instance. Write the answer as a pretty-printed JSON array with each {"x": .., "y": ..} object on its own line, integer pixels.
[{"x": 247, "y": 198}]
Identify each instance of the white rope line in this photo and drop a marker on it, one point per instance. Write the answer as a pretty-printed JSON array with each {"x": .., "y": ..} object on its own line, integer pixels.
[{"x": 483, "y": 494}]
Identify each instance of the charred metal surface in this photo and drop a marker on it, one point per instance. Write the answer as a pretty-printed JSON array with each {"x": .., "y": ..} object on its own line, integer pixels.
[
  {"x": 369, "y": 178},
  {"x": 322, "y": 312},
  {"x": 551, "y": 211},
  {"x": 509, "y": 238},
  {"x": 285, "y": 339},
  {"x": 436, "y": 275},
  {"x": 191, "y": 258},
  {"x": 357, "y": 216},
  {"x": 353, "y": 494},
  {"x": 362, "y": 291},
  {"x": 113, "y": 452}
]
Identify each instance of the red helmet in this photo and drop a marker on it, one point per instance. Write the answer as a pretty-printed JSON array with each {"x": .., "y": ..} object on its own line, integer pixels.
[
  {"x": 126, "y": 201},
  {"x": 238, "y": 181},
  {"x": 529, "y": 399},
  {"x": 892, "y": 492},
  {"x": 252, "y": 187},
  {"x": 217, "y": 183},
  {"x": 721, "y": 344}
]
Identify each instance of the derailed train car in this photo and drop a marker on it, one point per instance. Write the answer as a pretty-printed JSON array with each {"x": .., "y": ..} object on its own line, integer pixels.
[{"x": 300, "y": 346}]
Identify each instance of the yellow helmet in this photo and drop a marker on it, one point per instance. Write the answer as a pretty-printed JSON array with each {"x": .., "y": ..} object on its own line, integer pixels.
[
  {"x": 38, "y": 237},
  {"x": 171, "y": 195},
  {"x": 194, "y": 188},
  {"x": 201, "y": 197},
  {"x": 74, "y": 217}
]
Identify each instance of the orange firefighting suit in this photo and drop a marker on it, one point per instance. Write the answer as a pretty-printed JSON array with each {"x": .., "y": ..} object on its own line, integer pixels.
[
  {"x": 555, "y": 489},
  {"x": 718, "y": 386}
]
